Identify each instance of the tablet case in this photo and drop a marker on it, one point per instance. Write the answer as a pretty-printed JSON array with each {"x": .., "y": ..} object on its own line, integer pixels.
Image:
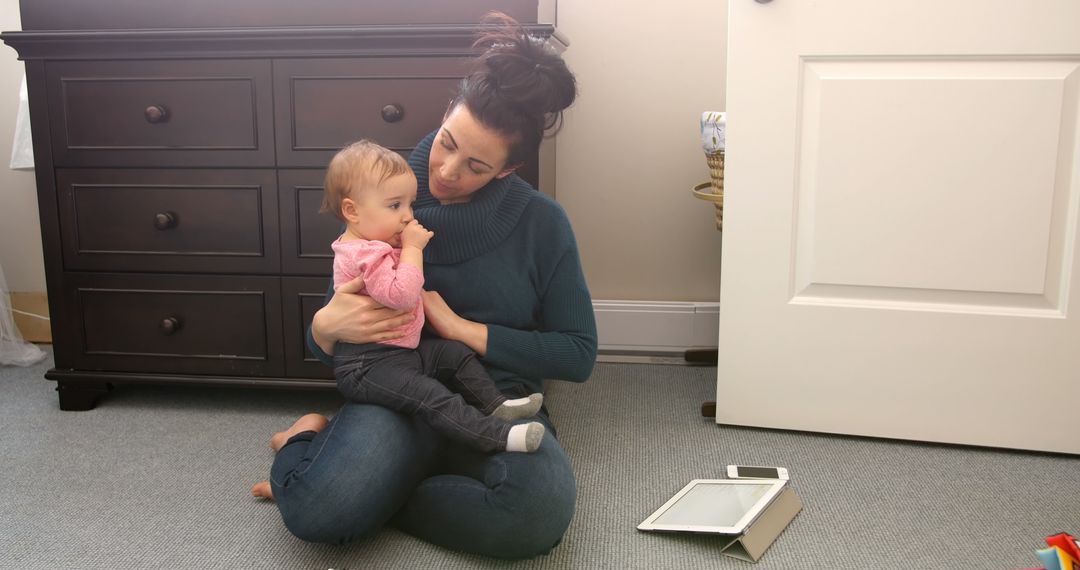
[{"x": 759, "y": 536}]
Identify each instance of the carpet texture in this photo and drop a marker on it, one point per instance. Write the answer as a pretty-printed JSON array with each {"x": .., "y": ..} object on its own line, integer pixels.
[{"x": 158, "y": 477}]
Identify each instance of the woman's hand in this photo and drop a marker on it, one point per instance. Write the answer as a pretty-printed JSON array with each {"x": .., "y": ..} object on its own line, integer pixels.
[
  {"x": 355, "y": 319},
  {"x": 449, "y": 324}
]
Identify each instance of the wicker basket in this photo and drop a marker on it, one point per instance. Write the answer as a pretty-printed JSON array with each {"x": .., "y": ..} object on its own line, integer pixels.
[
  {"x": 716, "y": 171},
  {"x": 713, "y": 191},
  {"x": 705, "y": 191}
]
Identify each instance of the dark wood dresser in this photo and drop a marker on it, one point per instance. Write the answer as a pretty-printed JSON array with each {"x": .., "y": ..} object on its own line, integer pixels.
[{"x": 179, "y": 150}]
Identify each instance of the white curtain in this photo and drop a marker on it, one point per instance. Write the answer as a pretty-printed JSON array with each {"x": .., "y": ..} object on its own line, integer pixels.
[
  {"x": 13, "y": 349},
  {"x": 22, "y": 147}
]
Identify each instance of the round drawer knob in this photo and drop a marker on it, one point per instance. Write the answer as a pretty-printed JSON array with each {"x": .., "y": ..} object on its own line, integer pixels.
[
  {"x": 393, "y": 113},
  {"x": 157, "y": 114},
  {"x": 169, "y": 325},
  {"x": 166, "y": 220}
]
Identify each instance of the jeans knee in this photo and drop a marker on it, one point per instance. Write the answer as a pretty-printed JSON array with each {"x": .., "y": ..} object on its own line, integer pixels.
[
  {"x": 313, "y": 525},
  {"x": 315, "y": 512},
  {"x": 558, "y": 512},
  {"x": 539, "y": 524},
  {"x": 536, "y": 535}
]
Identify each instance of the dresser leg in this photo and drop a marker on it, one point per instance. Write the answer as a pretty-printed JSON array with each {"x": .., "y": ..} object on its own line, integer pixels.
[{"x": 79, "y": 396}]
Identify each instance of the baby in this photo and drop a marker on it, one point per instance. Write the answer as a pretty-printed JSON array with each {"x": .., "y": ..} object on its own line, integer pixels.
[{"x": 372, "y": 189}]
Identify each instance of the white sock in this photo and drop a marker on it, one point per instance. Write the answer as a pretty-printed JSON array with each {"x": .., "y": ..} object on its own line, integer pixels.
[{"x": 525, "y": 437}]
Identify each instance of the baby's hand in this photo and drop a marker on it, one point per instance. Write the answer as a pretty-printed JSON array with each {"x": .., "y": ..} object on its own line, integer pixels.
[{"x": 415, "y": 235}]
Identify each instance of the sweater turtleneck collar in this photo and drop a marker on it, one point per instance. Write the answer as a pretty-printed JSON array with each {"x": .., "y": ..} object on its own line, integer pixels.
[{"x": 464, "y": 231}]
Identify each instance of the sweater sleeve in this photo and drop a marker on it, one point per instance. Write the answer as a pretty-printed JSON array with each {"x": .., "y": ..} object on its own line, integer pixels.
[
  {"x": 565, "y": 346},
  {"x": 395, "y": 287}
]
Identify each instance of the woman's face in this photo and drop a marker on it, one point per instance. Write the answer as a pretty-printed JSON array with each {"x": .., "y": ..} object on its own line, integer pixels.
[{"x": 465, "y": 156}]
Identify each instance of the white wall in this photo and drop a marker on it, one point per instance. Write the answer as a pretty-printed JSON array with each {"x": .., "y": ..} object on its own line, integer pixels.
[
  {"x": 20, "y": 233},
  {"x": 627, "y": 157},
  {"x": 630, "y": 152}
]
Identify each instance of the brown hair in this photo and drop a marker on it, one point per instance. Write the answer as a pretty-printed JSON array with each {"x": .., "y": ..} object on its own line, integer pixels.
[
  {"x": 517, "y": 86},
  {"x": 360, "y": 165}
]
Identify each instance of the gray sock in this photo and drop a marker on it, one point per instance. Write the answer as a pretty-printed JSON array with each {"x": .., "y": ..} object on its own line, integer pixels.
[{"x": 520, "y": 408}]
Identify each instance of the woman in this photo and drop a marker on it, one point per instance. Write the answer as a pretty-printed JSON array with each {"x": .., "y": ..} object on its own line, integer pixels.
[{"x": 503, "y": 276}]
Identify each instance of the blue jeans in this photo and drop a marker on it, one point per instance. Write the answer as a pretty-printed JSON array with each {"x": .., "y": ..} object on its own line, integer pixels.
[{"x": 372, "y": 466}]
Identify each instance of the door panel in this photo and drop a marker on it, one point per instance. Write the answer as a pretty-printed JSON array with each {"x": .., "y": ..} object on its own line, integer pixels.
[{"x": 900, "y": 221}]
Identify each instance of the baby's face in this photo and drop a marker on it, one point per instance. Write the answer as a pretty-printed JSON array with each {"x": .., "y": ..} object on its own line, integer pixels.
[{"x": 386, "y": 209}]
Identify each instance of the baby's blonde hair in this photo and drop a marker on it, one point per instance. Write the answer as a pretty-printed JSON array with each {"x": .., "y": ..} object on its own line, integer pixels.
[{"x": 362, "y": 164}]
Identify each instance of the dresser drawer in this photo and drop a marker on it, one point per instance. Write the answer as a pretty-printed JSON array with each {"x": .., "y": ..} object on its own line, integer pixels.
[
  {"x": 301, "y": 297},
  {"x": 306, "y": 234},
  {"x": 161, "y": 113},
  {"x": 322, "y": 104},
  {"x": 177, "y": 324},
  {"x": 221, "y": 221}
]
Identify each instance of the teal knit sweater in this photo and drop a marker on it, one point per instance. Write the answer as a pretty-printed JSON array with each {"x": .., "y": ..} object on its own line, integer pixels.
[{"x": 508, "y": 259}]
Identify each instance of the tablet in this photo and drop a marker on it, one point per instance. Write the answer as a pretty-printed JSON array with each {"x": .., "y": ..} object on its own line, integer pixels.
[{"x": 717, "y": 506}]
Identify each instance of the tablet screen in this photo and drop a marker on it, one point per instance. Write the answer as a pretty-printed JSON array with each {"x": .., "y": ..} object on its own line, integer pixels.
[{"x": 712, "y": 504}]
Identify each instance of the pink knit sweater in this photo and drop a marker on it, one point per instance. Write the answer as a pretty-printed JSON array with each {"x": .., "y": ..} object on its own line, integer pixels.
[{"x": 392, "y": 284}]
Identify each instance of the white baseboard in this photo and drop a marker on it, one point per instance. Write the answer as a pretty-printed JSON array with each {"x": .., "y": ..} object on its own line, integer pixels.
[{"x": 656, "y": 326}]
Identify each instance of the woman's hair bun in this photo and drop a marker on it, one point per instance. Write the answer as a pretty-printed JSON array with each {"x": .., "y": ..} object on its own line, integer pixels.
[
  {"x": 517, "y": 85},
  {"x": 524, "y": 71}
]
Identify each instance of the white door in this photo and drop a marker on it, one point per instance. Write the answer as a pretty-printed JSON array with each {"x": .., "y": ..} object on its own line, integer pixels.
[{"x": 900, "y": 253}]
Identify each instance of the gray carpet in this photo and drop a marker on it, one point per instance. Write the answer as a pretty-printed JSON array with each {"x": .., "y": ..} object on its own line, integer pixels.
[{"x": 158, "y": 477}]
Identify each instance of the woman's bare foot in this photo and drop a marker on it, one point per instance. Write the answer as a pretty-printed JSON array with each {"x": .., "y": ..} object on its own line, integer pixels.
[
  {"x": 262, "y": 490},
  {"x": 307, "y": 422}
]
